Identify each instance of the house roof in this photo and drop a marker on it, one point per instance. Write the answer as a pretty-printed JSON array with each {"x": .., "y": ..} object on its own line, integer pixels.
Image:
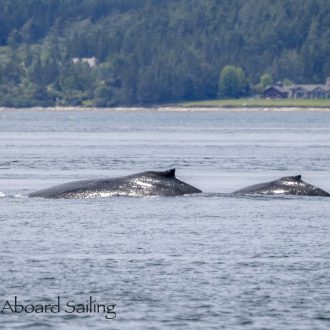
[
  {"x": 311, "y": 87},
  {"x": 91, "y": 61},
  {"x": 280, "y": 89}
]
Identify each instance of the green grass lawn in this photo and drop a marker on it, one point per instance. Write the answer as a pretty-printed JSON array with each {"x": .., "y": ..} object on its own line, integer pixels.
[{"x": 250, "y": 102}]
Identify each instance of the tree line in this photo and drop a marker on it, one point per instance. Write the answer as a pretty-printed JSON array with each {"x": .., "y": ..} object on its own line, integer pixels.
[{"x": 152, "y": 52}]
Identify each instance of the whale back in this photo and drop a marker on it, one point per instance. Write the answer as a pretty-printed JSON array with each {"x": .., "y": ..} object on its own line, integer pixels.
[
  {"x": 289, "y": 185},
  {"x": 150, "y": 183}
]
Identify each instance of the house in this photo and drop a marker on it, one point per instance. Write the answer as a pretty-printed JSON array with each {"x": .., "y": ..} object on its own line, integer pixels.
[
  {"x": 91, "y": 61},
  {"x": 301, "y": 91},
  {"x": 276, "y": 91},
  {"x": 309, "y": 92}
]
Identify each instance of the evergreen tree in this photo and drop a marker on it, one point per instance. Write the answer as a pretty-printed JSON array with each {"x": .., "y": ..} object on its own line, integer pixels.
[{"x": 157, "y": 51}]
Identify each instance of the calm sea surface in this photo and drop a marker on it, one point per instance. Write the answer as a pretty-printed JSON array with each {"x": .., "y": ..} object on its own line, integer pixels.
[{"x": 196, "y": 262}]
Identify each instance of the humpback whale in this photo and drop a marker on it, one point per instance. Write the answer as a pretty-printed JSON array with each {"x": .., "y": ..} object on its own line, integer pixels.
[
  {"x": 289, "y": 185},
  {"x": 150, "y": 183}
]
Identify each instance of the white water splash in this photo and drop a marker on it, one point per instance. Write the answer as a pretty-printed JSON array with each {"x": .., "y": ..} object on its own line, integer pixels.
[{"x": 19, "y": 196}]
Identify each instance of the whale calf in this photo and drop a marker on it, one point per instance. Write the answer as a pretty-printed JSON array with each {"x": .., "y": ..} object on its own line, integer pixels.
[
  {"x": 150, "y": 183},
  {"x": 289, "y": 185}
]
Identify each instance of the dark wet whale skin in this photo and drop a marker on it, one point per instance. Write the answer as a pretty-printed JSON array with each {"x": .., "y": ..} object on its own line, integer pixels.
[
  {"x": 150, "y": 183},
  {"x": 290, "y": 185}
]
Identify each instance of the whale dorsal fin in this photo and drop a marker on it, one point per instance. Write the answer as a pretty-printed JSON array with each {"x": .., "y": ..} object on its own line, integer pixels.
[
  {"x": 295, "y": 178},
  {"x": 169, "y": 173}
]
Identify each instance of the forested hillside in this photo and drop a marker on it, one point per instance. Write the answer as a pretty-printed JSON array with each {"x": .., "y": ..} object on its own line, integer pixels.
[{"x": 154, "y": 51}]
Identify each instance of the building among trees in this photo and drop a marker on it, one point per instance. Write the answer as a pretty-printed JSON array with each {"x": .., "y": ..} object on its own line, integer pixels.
[
  {"x": 91, "y": 61},
  {"x": 276, "y": 91},
  {"x": 301, "y": 91}
]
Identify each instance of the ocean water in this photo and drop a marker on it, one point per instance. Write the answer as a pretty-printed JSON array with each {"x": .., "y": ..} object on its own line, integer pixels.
[{"x": 209, "y": 261}]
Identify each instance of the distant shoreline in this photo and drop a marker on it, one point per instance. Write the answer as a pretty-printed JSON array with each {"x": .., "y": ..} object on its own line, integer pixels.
[
  {"x": 172, "y": 109},
  {"x": 213, "y": 105},
  {"x": 261, "y": 103}
]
